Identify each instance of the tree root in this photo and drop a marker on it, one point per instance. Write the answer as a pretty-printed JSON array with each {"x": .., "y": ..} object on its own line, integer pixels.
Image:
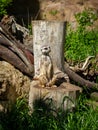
[{"x": 75, "y": 77}]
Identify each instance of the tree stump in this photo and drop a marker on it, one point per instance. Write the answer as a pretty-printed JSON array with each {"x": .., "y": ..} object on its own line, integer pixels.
[
  {"x": 62, "y": 97},
  {"x": 48, "y": 38}
]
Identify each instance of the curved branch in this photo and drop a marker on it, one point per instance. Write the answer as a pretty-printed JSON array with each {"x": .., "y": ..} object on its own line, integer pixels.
[
  {"x": 86, "y": 63},
  {"x": 19, "y": 52},
  {"x": 79, "y": 79},
  {"x": 84, "y": 67},
  {"x": 10, "y": 57}
]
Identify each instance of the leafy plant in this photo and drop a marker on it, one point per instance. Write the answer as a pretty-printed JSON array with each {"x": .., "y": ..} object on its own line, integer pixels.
[
  {"x": 81, "y": 42},
  {"x": 53, "y": 12},
  {"x": 3, "y": 5},
  {"x": 86, "y": 18}
]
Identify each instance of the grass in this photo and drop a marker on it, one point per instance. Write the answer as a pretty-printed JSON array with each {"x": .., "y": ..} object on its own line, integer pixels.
[
  {"x": 53, "y": 12},
  {"x": 84, "y": 117},
  {"x": 82, "y": 42}
]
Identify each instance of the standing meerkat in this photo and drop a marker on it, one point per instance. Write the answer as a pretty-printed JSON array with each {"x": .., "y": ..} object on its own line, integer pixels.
[{"x": 45, "y": 76}]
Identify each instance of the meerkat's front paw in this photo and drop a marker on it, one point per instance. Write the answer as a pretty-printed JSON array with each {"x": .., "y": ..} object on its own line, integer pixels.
[{"x": 48, "y": 85}]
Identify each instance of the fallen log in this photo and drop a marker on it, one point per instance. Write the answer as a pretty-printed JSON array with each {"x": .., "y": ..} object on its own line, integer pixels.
[
  {"x": 13, "y": 39},
  {"x": 12, "y": 58},
  {"x": 3, "y": 41},
  {"x": 26, "y": 52},
  {"x": 19, "y": 53}
]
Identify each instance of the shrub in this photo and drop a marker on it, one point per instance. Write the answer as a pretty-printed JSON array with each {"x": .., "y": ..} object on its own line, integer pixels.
[
  {"x": 81, "y": 42},
  {"x": 3, "y": 5},
  {"x": 86, "y": 18}
]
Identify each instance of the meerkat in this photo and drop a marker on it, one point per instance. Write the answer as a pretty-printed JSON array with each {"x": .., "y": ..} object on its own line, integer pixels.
[{"x": 45, "y": 75}]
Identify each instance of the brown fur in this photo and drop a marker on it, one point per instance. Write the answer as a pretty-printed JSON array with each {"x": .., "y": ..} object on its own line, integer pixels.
[{"x": 45, "y": 76}]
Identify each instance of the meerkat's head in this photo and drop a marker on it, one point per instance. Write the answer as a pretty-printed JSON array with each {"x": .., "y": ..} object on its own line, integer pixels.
[{"x": 45, "y": 49}]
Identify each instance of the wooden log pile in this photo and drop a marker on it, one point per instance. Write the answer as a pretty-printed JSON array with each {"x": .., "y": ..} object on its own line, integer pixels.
[{"x": 11, "y": 49}]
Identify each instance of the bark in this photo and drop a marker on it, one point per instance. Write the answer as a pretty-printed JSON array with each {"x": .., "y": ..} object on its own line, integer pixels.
[
  {"x": 9, "y": 41},
  {"x": 78, "y": 79},
  {"x": 26, "y": 52},
  {"x": 12, "y": 38},
  {"x": 12, "y": 58},
  {"x": 20, "y": 54},
  {"x": 57, "y": 94},
  {"x": 85, "y": 65},
  {"x": 4, "y": 42},
  {"x": 50, "y": 33}
]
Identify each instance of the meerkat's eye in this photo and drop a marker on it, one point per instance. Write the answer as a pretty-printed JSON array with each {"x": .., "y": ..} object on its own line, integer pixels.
[{"x": 45, "y": 48}]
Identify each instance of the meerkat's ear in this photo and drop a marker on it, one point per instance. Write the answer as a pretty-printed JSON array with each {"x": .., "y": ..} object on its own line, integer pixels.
[
  {"x": 41, "y": 49},
  {"x": 49, "y": 49}
]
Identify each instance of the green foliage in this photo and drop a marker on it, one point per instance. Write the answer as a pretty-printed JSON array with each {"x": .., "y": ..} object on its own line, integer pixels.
[
  {"x": 84, "y": 117},
  {"x": 30, "y": 28},
  {"x": 53, "y": 12},
  {"x": 81, "y": 42},
  {"x": 17, "y": 118},
  {"x": 3, "y": 5},
  {"x": 86, "y": 18}
]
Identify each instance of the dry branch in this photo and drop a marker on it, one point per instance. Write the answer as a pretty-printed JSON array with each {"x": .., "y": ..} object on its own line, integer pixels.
[
  {"x": 84, "y": 67},
  {"x": 78, "y": 79},
  {"x": 13, "y": 39}
]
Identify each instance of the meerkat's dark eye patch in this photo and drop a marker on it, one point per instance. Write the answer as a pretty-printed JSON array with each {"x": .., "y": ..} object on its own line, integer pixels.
[{"x": 46, "y": 48}]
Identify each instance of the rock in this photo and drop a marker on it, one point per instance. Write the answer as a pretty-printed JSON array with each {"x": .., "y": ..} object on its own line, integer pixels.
[
  {"x": 94, "y": 96},
  {"x": 13, "y": 84},
  {"x": 92, "y": 104}
]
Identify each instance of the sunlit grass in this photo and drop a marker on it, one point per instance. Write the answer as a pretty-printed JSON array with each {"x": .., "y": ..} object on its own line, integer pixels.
[{"x": 84, "y": 117}]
